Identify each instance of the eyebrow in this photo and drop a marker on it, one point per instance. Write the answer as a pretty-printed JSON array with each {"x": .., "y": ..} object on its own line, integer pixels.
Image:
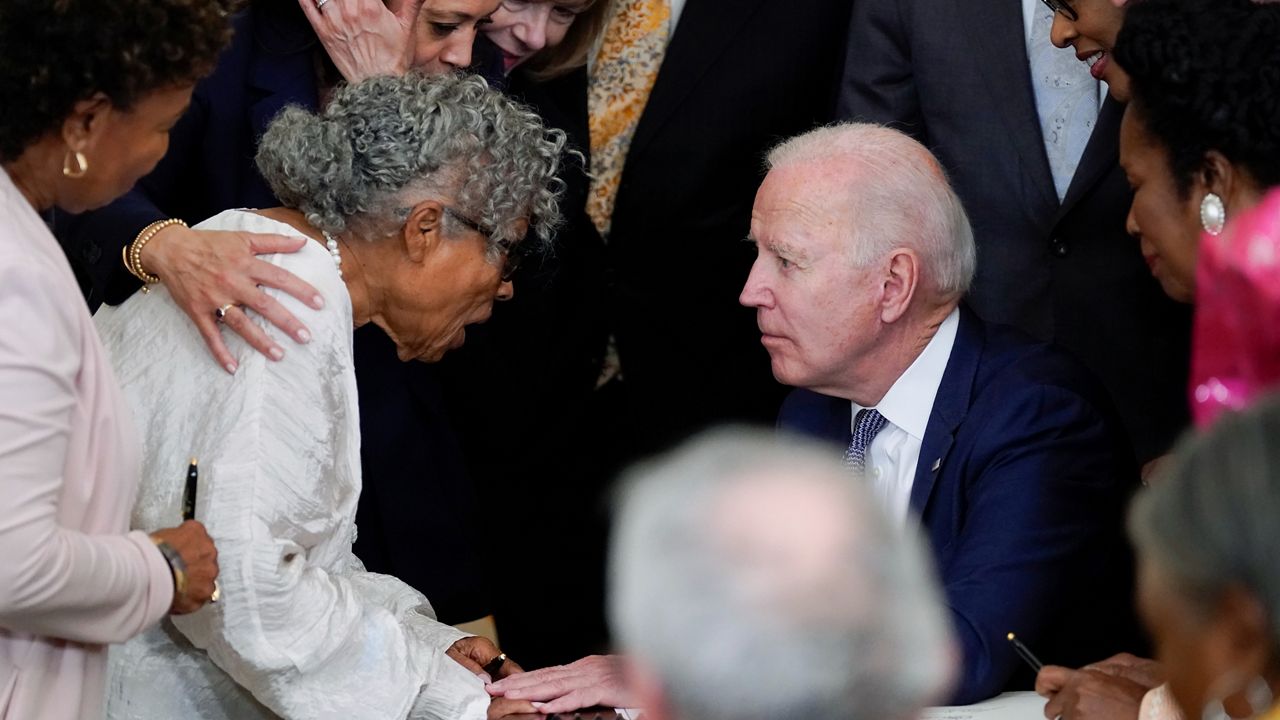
[
  {"x": 791, "y": 251},
  {"x": 447, "y": 15}
]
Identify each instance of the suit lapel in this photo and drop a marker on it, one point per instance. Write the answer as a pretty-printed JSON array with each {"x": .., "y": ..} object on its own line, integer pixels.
[
  {"x": 281, "y": 69},
  {"x": 949, "y": 408},
  {"x": 1100, "y": 155},
  {"x": 703, "y": 33},
  {"x": 999, "y": 42}
]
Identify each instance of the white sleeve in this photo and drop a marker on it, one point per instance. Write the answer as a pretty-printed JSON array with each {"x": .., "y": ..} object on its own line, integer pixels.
[{"x": 300, "y": 626}]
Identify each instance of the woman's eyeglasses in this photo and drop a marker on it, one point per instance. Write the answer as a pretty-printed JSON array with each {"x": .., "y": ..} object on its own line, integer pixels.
[
  {"x": 1062, "y": 6},
  {"x": 512, "y": 251}
]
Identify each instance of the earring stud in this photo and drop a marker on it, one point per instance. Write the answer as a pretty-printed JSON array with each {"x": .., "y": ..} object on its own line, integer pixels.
[{"x": 1213, "y": 214}]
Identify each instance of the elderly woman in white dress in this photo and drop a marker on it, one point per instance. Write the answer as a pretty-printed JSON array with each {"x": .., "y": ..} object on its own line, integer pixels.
[{"x": 414, "y": 191}]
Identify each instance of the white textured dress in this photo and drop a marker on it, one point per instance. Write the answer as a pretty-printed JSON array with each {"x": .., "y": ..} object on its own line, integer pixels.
[{"x": 302, "y": 630}]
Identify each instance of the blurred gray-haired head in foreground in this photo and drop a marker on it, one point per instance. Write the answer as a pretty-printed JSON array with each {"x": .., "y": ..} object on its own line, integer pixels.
[{"x": 752, "y": 577}]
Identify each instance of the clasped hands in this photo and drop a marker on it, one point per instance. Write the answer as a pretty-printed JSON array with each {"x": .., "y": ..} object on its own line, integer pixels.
[
  {"x": 594, "y": 680},
  {"x": 1108, "y": 690}
]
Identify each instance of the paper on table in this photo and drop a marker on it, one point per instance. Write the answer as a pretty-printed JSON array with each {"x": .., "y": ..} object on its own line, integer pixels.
[{"x": 1009, "y": 706}]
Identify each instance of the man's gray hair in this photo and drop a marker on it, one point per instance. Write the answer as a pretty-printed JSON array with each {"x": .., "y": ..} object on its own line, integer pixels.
[
  {"x": 382, "y": 144},
  {"x": 825, "y": 611},
  {"x": 1209, "y": 520},
  {"x": 898, "y": 196}
]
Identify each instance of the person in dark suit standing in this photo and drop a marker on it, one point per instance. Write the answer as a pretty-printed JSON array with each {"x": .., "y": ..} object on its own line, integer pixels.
[
  {"x": 1030, "y": 140},
  {"x": 1005, "y": 450}
]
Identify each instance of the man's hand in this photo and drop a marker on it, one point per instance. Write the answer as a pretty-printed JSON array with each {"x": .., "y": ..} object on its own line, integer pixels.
[
  {"x": 1088, "y": 694},
  {"x": 365, "y": 37},
  {"x": 474, "y": 652},
  {"x": 205, "y": 270},
  {"x": 595, "y": 680}
]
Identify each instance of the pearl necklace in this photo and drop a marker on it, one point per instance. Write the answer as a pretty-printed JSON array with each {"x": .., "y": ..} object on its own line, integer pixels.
[{"x": 334, "y": 252}]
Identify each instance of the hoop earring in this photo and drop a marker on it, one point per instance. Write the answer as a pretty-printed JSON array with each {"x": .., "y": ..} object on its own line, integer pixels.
[
  {"x": 81, "y": 164},
  {"x": 1257, "y": 693},
  {"x": 1213, "y": 214}
]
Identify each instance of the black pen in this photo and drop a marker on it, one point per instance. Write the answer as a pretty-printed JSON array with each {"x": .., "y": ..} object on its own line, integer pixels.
[
  {"x": 1026, "y": 654},
  {"x": 492, "y": 667},
  {"x": 189, "y": 495}
]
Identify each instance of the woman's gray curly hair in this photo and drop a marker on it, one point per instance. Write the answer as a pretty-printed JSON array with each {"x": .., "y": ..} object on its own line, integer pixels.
[{"x": 384, "y": 143}]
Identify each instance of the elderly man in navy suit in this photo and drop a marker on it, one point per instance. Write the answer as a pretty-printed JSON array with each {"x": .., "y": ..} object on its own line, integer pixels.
[{"x": 1004, "y": 449}]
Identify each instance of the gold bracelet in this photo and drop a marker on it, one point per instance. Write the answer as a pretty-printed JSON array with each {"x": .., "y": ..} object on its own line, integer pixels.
[{"x": 132, "y": 253}]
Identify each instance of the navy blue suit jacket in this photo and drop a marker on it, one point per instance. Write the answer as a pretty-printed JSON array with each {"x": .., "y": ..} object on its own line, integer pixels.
[
  {"x": 416, "y": 513},
  {"x": 1020, "y": 488}
]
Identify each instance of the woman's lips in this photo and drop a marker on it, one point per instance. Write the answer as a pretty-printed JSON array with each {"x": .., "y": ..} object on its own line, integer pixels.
[
  {"x": 510, "y": 61},
  {"x": 1099, "y": 66}
]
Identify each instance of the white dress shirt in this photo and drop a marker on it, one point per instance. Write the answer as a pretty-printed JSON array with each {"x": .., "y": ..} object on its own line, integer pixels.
[
  {"x": 895, "y": 451},
  {"x": 302, "y": 630}
]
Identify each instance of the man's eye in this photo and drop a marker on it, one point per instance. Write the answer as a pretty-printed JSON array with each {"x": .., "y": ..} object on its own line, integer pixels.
[
  {"x": 443, "y": 28},
  {"x": 784, "y": 263}
]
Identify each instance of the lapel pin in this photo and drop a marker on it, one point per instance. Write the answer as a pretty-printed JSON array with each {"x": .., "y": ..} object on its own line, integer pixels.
[{"x": 936, "y": 464}]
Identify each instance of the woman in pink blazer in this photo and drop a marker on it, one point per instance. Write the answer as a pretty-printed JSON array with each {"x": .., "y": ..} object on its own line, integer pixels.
[{"x": 88, "y": 92}]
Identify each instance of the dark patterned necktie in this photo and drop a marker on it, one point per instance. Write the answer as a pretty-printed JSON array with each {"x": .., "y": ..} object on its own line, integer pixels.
[{"x": 869, "y": 424}]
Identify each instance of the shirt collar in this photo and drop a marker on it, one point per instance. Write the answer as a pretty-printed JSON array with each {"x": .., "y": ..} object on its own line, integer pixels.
[{"x": 909, "y": 401}]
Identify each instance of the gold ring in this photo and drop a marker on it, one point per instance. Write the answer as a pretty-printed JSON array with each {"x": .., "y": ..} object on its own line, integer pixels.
[
  {"x": 221, "y": 313},
  {"x": 217, "y": 592}
]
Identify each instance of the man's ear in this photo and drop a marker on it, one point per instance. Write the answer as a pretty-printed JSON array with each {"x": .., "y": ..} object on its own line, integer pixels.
[
  {"x": 423, "y": 230},
  {"x": 84, "y": 125},
  {"x": 901, "y": 278}
]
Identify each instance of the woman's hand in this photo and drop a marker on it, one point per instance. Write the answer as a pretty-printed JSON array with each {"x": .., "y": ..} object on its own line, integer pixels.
[
  {"x": 365, "y": 37},
  {"x": 206, "y": 269},
  {"x": 195, "y": 547},
  {"x": 474, "y": 652},
  {"x": 502, "y": 707},
  {"x": 1107, "y": 690}
]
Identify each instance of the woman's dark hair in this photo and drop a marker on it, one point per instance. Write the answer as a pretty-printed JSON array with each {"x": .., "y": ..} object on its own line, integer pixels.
[
  {"x": 55, "y": 53},
  {"x": 1205, "y": 75}
]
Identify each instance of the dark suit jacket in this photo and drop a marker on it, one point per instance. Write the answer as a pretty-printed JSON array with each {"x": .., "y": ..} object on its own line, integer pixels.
[
  {"x": 738, "y": 77},
  {"x": 415, "y": 515},
  {"x": 956, "y": 76},
  {"x": 1024, "y": 507}
]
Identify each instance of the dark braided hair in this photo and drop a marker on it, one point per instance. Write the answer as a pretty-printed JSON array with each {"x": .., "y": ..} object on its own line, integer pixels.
[
  {"x": 1205, "y": 75},
  {"x": 55, "y": 53}
]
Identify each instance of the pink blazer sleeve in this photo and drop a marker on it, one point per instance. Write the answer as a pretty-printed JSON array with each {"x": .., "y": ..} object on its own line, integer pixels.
[{"x": 68, "y": 567}]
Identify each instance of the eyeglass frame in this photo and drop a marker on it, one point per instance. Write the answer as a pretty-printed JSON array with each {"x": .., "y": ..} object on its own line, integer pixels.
[
  {"x": 511, "y": 252},
  {"x": 1062, "y": 6}
]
